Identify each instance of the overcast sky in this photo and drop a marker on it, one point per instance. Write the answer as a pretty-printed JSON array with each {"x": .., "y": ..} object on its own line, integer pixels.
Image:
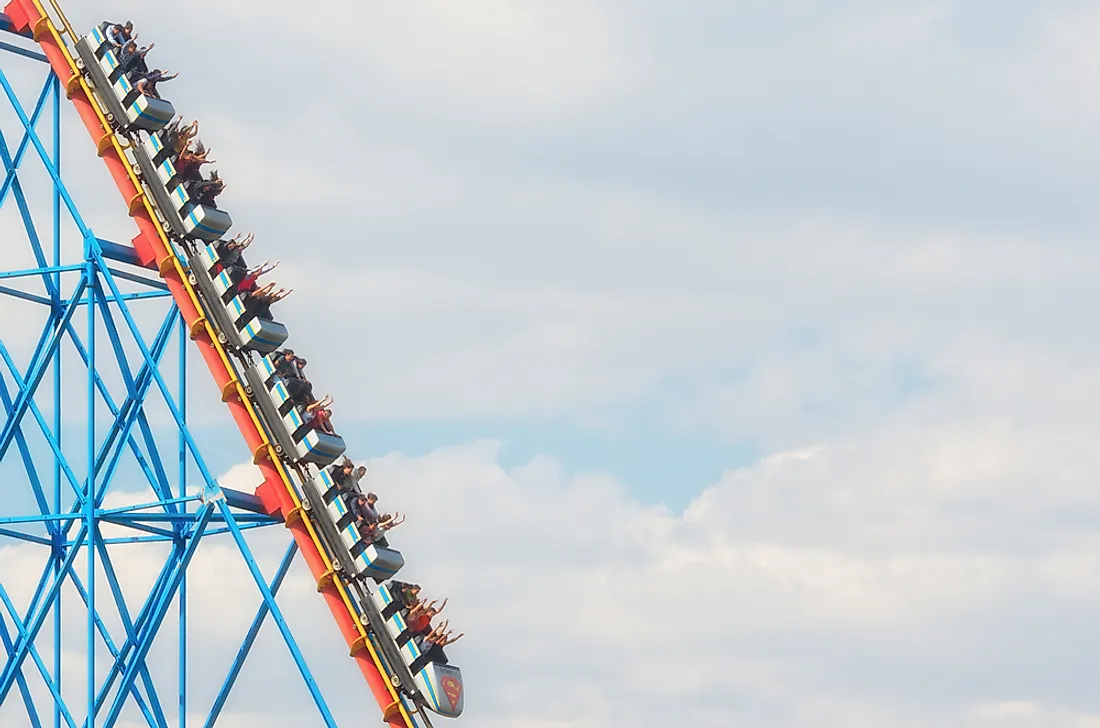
[{"x": 734, "y": 361}]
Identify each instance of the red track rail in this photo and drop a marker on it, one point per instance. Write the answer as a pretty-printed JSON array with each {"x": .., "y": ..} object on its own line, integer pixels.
[{"x": 153, "y": 251}]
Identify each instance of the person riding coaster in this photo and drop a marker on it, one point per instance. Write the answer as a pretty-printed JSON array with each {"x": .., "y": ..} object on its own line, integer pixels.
[
  {"x": 409, "y": 623},
  {"x": 114, "y": 72}
]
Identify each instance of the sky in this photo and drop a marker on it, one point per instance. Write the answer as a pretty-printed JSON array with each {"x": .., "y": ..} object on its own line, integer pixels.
[{"x": 733, "y": 361}]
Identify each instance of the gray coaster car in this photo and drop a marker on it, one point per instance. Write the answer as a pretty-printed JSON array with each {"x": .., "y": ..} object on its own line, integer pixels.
[
  {"x": 294, "y": 439},
  {"x": 241, "y": 330},
  {"x": 359, "y": 558},
  {"x": 130, "y": 108},
  {"x": 185, "y": 218},
  {"x": 439, "y": 683}
]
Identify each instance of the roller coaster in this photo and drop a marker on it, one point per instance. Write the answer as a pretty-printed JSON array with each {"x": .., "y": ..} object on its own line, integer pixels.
[{"x": 183, "y": 239}]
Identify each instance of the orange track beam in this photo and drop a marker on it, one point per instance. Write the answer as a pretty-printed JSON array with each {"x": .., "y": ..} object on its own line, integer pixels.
[{"x": 152, "y": 251}]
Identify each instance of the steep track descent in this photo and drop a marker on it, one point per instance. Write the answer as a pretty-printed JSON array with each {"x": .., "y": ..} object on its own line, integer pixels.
[{"x": 278, "y": 492}]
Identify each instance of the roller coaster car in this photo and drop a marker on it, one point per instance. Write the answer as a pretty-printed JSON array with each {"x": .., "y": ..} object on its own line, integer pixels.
[
  {"x": 186, "y": 218},
  {"x": 130, "y": 108},
  {"x": 439, "y": 683},
  {"x": 297, "y": 440},
  {"x": 357, "y": 557},
  {"x": 241, "y": 330}
]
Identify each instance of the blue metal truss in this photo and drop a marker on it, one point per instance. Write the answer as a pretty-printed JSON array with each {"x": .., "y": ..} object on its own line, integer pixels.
[{"x": 89, "y": 311}]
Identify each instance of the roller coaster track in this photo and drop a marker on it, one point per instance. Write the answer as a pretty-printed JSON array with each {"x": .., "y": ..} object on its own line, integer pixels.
[{"x": 154, "y": 251}]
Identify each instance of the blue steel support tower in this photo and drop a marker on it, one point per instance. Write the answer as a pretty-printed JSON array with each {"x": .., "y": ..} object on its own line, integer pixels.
[{"x": 94, "y": 363}]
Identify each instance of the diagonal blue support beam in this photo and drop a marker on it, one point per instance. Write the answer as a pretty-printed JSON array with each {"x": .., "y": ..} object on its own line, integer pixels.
[
  {"x": 122, "y": 518},
  {"x": 44, "y": 157},
  {"x": 164, "y": 536},
  {"x": 38, "y": 593},
  {"x": 12, "y": 164},
  {"x": 25, "y": 454},
  {"x": 139, "y": 296},
  {"x": 54, "y": 691},
  {"x": 136, "y": 392},
  {"x": 46, "y": 518},
  {"x": 82, "y": 352},
  {"x": 163, "y": 580},
  {"x": 30, "y": 272},
  {"x": 137, "y": 526},
  {"x": 33, "y": 625},
  {"x": 142, "y": 296},
  {"x": 106, "y": 637},
  {"x": 150, "y": 282},
  {"x": 25, "y": 52},
  {"x": 31, "y": 468},
  {"x": 126, "y": 518},
  {"x": 39, "y": 366},
  {"x": 145, "y": 506},
  {"x": 277, "y": 615},
  {"x": 121, "y": 253},
  {"x": 12, "y": 180},
  {"x": 133, "y": 405},
  {"x": 23, "y": 295},
  {"x": 26, "y": 537},
  {"x": 128, "y": 540},
  {"x": 250, "y": 637},
  {"x": 128, "y": 625},
  {"x": 149, "y": 629},
  {"x": 60, "y": 459},
  {"x": 24, "y": 691}
]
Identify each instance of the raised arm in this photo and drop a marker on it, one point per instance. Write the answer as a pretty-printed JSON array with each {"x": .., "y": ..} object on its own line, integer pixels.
[{"x": 323, "y": 402}]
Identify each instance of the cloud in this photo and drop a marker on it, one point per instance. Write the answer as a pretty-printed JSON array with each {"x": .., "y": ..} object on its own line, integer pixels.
[
  {"x": 824, "y": 581},
  {"x": 818, "y": 581},
  {"x": 491, "y": 59}
]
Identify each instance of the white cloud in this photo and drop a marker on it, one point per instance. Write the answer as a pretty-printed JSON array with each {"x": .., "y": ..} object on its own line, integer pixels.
[
  {"x": 494, "y": 58},
  {"x": 811, "y": 581},
  {"x": 1008, "y": 709}
]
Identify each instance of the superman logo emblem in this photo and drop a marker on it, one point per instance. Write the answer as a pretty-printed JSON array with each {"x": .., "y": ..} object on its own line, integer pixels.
[{"x": 452, "y": 688}]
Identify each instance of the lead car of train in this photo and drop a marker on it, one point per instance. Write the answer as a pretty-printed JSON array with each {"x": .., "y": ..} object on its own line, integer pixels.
[{"x": 252, "y": 336}]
